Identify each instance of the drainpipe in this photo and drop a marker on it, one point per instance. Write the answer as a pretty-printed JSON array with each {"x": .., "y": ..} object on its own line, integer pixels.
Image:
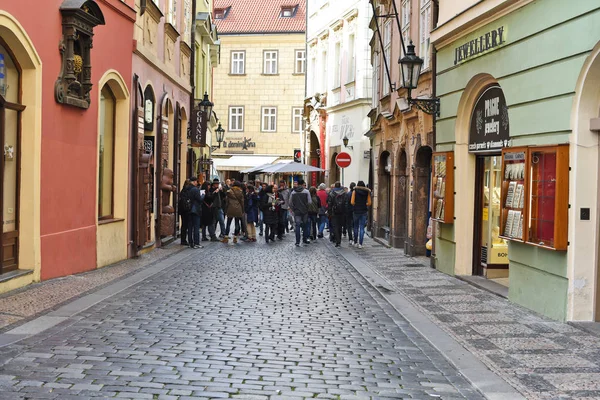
[
  {"x": 134, "y": 172},
  {"x": 436, "y": 13}
]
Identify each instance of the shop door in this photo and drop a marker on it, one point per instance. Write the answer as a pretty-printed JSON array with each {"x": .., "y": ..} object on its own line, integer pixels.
[
  {"x": 490, "y": 252},
  {"x": 145, "y": 205},
  {"x": 10, "y": 128}
]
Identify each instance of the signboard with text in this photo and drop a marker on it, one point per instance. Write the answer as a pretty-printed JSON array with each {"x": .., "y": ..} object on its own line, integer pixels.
[
  {"x": 198, "y": 136},
  {"x": 489, "y": 130}
]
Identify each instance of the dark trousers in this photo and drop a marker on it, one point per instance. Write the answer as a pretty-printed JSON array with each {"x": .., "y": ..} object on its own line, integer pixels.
[
  {"x": 237, "y": 226},
  {"x": 300, "y": 222},
  {"x": 350, "y": 226},
  {"x": 338, "y": 221},
  {"x": 184, "y": 228},
  {"x": 312, "y": 222},
  {"x": 194, "y": 229},
  {"x": 282, "y": 222},
  {"x": 211, "y": 230},
  {"x": 270, "y": 230}
]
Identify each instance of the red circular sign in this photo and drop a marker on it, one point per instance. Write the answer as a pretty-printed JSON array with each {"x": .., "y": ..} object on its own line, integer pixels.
[{"x": 343, "y": 160}]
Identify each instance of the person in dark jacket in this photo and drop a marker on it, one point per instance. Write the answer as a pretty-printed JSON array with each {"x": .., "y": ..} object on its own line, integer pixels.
[
  {"x": 336, "y": 213},
  {"x": 313, "y": 212},
  {"x": 299, "y": 200},
  {"x": 361, "y": 201},
  {"x": 185, "y": 216},
  {"x": 218, "y": 201},
  {"x": 350, "y": 214},
  {"x": 194, "y": 228},
  {"x": 208, "y": 216},
  {"x": 268, "y": 205},
  {"x": 251, "y": 212}
]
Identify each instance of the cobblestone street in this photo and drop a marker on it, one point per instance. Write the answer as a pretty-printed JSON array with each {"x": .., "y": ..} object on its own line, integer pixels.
[{"x": 246, "y": 321}]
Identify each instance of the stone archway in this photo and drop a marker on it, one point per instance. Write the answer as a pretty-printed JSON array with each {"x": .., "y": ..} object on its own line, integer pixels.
[
  {"x": 401, "y": 184},
  {"x": 384, "y": 196},
  {"x": 420, "y": 201},
  {"x": 334, "y": 170}
]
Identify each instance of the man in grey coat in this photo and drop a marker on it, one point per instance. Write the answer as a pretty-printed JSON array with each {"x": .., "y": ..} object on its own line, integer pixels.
[{"x": 299, "y": 200}]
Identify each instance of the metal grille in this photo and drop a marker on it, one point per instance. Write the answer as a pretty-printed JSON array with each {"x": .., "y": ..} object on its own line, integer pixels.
[{"x": 484, "y": 254}]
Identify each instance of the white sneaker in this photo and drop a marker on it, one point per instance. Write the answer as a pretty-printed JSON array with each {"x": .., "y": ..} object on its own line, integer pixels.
[
  {"x": 360, "y": 246},
  {"x": 350, "y": 243}
]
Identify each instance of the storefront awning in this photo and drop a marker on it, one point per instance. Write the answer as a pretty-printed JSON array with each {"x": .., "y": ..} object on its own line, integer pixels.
[{"x": 238, "y": 163}]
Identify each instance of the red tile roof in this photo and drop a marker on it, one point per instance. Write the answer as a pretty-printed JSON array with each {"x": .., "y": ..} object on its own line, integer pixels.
[{"x": 257, "y": 16}]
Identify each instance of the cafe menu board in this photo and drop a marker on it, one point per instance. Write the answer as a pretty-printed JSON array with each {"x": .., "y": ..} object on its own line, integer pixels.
[{"x": 443, "y": 187}]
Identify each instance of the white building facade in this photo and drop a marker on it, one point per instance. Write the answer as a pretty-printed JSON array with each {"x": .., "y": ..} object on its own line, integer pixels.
[{"x": 338, "y": 87}]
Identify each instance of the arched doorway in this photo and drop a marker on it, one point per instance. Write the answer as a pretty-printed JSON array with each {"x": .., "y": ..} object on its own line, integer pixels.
[
  {"x": 10, "y": 134},
  {"x": 420, "y": 199},
  {"x": 165, "y": 179},
  {"x": 334, "y": 170},
  {"x": 384, "y": 195},
  {"x": 314, "y": 159},
  {"x": 401, "y": 205}
]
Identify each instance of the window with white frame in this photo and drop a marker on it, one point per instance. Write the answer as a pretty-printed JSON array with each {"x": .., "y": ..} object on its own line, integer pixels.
[
  {"x": 269, "y": 119},
  {"x": 297, "y": 120},
  {"x": 238, "y": 62},
  {"x": 338, "y": 62},
  {"x": 376, "y": 94},
  {"x": 300, "y": 64},
  {"x": 387, "y": 53},
  {"x": 351, "y": 60},
  {"x": 324, "y": 72},
  {"x": 425, "y": 30},
  {"x": 405, "y": 23},
  {"x": 312, "y": 72},
  {"x": 236, "y": 119},
  {"x": 172, "y": 12},
  {"x": 270, "y": 62}
]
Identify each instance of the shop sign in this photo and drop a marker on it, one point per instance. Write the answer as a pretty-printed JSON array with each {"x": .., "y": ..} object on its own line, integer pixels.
[
  {"x": 489, "y": 130},
  {"x": 198, "y": 134},
  {"x": 242, "y": 144},
  {"x": 480, "y": 45}
]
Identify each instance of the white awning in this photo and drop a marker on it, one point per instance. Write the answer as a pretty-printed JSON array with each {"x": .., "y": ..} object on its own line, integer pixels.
[{"x": 238, "y": 163}]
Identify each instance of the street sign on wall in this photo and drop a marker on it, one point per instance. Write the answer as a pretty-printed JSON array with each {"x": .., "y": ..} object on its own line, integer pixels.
[{"x": 343, "y": 160}]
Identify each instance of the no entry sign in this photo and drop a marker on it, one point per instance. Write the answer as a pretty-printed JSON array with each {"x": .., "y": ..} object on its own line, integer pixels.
[{"x": 343, "y": 160}]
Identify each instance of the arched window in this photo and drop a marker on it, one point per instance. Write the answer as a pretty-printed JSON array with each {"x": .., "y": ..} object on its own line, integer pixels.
[{"x": 106, "y": 148}]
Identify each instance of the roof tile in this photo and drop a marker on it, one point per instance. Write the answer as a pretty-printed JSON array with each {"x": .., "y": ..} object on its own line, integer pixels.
[{"x": 260, "y": 16}]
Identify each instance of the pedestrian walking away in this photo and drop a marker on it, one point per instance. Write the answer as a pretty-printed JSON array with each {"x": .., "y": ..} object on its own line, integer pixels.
[
  {"x": 337, "y": 211},
  {"x": 196, "y": 213},
  {"x": 350, "y": 214},
  {"x": 313, "y": 212},
  {"x": 268, "y": 205},
  {"x": 184, "y": 208},
  {"x": 299, "y": 201},
  {"x": 361, "y": 201}
]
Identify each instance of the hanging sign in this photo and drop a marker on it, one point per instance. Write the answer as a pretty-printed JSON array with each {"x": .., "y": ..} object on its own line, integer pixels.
[
  {"x": 489, "y": 130},
  {"x": 198, "y": 134}
]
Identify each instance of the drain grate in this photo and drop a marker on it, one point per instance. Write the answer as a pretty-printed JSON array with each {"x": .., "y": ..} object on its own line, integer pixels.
[{"x": 413, "y": 265}]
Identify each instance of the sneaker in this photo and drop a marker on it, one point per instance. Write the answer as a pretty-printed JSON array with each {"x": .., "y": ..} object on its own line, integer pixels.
[
  {"x": 214, "y": 239},
  {"x": 360, "y": 246},
  {"x": 260, "y": 234},
  {"x": 350, "y": 243},
  {"x": 198, "y": 246},
  {"x": 297, "y": 244},
  {"x": 306, "y": 241},
  {"x": 337, "y": 245},
  {"x": 320, "y": 236},
  {"x": 184, "y": 244},
  {"x": 205, "y": 239}
]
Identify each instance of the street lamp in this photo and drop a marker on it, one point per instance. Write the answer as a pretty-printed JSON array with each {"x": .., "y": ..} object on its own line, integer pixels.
[
  {"x": 206, "y": 107},
  {"x": 345, "y": 141},
  {"x": 220, "y": 135},
  {"x": 410, "y": 66}
]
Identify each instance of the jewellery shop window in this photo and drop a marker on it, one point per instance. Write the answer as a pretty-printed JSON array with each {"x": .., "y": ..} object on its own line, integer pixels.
[
  {"x": 535, "y": 193},
  {"x": 443, "y": 187}
]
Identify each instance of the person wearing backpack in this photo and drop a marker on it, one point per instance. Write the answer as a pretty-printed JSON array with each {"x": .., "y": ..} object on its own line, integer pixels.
[
  {"x": 322, "y": 195},
  {"x": 337, "y": 211},
  {"x": 349, "y": 214},
  {"x": 361, "y": 200},
  {"x": 184, "y": 208},
  {"x": 313, "y": 212},
  {"x": 196, "y": 214},
  {"x": 299, "y": 201}
]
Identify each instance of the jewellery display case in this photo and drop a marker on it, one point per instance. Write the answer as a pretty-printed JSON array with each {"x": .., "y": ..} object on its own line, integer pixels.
[
  {"x": 514, "y": 193},
  {"x": 443, "y": 187}
]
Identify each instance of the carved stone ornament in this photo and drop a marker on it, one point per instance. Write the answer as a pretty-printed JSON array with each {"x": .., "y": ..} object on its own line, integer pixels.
[{"x": 74, "y": 83}]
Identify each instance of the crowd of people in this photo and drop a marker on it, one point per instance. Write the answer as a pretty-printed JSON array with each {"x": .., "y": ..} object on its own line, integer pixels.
[{"x": 272, "y": 210}]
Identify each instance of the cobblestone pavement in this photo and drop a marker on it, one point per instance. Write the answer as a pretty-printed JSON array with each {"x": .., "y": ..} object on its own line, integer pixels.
[
  {"x": 247, "y": 321},
  {"x": 542, "y": 358},
  {"x": 24, "y": 304}
]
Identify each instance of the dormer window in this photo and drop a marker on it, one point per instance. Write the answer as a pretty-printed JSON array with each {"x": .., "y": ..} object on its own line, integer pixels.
[
  {"x": 79, "y": 17},
  {"x": 221, "y": 13},
  {"x": 288, "y": 11}
]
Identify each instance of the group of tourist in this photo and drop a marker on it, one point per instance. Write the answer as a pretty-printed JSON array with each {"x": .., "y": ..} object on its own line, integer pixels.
[{"x": 274, "y": 210}]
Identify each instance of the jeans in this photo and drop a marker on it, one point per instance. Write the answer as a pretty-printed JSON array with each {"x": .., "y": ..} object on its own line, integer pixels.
[
  {"x": 237, "y": 225},
  {"x": 312, "y": 225},
  {"x": 220, "y": 219},
  {"x": 283, "y": 222},
  {"x": 184, "y": 228},
  {"x": 322, "y": 219},
  {"x": 350, "y": 226},
  {"x": 300, "y": 222},
  {"x": 360, "y": 220},
  {"x": 194, "y": 230},
  {"x": 260, "y": 222}
]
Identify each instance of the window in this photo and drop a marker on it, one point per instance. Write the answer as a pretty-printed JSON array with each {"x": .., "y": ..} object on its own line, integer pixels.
[
  {"x": 351, "y": 59},
  {"x": 337, "y": 60},
  {"x": 313, "y": 72},
  {"x": 324, "y": 72},
  {"x": 425, "y": 29},
  {"x": 288, "y": 11},
  {"x": 222, "y": 13},
  {"x": 270, "y": 62},
  {"x": 297, "y": 120},
  {"x": 300, "y": 66},
  {"x": 405, "y": 23},
  {"x": 375, "y": 79},
  {"x": 269, "y": 119},
  {"x": 172, "y": 12},
  {"x": 238, "y": 59},
  {"x": 106, "y": 152},
  {"x": 187, "y": 20},
  {"x": 236, "y": 119},
  {"x": 387, "y": 52}
]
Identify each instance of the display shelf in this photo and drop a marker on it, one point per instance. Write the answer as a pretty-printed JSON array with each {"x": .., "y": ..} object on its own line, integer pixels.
[
  {"x": 443, "y": 187},
  {"x": 514, "y": 193}
]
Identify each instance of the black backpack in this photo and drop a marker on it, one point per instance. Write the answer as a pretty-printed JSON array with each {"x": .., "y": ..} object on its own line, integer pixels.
[
  {"x": 339, "y": 203},
  {"x": 185, "y": 202}
]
